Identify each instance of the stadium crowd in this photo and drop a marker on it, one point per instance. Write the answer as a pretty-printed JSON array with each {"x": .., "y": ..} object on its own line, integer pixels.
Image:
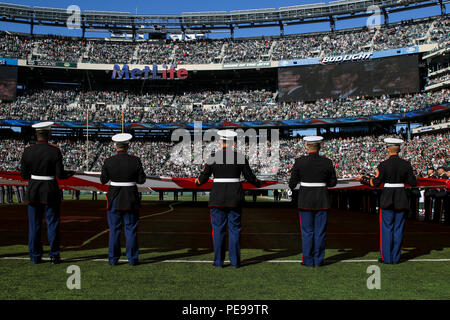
[
  {"x": 361, "y": 106},
  {"x": 437, "y": 80},
  {"x": 12, "y": 46},
  {"x": 404, "y": 34},
  {"x": 152, "y": 52},
  {"x": 109, "y": 52},
  {"x": 43, "y": 104},
  {"x": 206, "y": 106},
  {"x": 351, "y": 156},
  {"x": 53, "y": 49},
  {"x": 247, "y": 50},
  {"x": 440, "y": 32},
  {"x": 199, "y": 51}
]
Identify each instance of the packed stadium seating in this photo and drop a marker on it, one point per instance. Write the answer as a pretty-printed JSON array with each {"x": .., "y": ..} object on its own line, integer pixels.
[
  {"x": 50, "y": 49},
  {"x": 12, "y": 46},
  {"x": 206, "y": 106},
  {"x": 437, "y": 80},
  {"x": 351, "y": 155},
  {"x": 245, "y": 104},
  {"x": 198, "y": 52},
  {"x": 244, "y": 51}
]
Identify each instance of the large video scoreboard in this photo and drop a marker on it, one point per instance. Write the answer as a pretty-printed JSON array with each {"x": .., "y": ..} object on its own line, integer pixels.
[
  {"x": 393, "y": 75},
  {"x": 8, "y": 83}
]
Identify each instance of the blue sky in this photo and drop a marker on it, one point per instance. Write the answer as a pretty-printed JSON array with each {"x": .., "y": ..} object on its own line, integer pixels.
[{"x": 178, "y": 6}]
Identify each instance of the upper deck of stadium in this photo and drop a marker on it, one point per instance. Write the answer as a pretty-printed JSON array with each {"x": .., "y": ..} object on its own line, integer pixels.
[
  {"x": 179, "y": 42},
  {"x": 192, "y": 22},
  {"x": 223, "y": 98}
]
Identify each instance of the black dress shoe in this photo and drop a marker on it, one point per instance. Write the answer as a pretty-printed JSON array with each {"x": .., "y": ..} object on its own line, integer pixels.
[
  {"x": 319, "y": 265},
  {"x": 37, "y": 261},
  {"x": 305, "y": 265},
  {"x": 236, "y": 266},
  {"x": 217, "y": 265},
  {"x": 135, "y": 263},
  {"x": 55, "y": 260}
]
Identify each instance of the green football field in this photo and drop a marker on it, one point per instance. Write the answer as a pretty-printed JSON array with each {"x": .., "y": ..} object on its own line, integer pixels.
[{"x": 176, "y": 255}]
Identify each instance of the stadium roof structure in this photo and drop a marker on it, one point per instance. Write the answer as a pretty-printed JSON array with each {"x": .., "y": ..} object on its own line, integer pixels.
[{"x": 208, "y": 21}]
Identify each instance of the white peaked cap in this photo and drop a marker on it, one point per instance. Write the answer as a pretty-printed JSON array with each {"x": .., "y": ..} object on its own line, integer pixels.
[
  {"x": 42, "y": 125},
  {"x": 226, "y": 135},
  {"x": 313, "y": 139},
  {"x": 122, "y": 137},
  {"x": 393, "y": 141}
]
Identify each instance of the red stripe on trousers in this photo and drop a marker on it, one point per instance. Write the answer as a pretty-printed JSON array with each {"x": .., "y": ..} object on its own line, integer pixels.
[
  {"x": 300, "y": 220},
  {"x": 212, "y": 227},
  {"x": 381, "y": 235}
]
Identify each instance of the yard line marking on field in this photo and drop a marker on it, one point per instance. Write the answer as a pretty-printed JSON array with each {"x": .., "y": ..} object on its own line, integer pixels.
[
  {"x": 429, "y": 260},
  {"x": 171, "y": 208},
  {"x": 88, "y": 241},
  {"x": 226, "y": 261}
]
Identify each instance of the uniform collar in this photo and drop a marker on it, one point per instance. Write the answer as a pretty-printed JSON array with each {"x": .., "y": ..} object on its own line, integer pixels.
[
  {"x": 122, "y": 152},
  {"x": 41, "y": 141}
]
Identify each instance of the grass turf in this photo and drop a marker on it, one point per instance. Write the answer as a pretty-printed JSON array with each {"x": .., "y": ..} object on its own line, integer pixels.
[{"x": 269, "y": 233}]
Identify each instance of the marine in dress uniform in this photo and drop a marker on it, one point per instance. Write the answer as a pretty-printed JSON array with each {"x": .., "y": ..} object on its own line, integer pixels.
[
  {"x": 226, "y": 197},
  {"x": 447, "y": 200},
  {"x": 123, "y": 202},
  {"x": 42, "y": 163},
  {"x": 16, "y": 192},
  {"x": 446, "y": 197},
  {"x": 9, "y": 196},
  {"x": 394, "y": 173},
  {"x": 2, "y": 195},
  {"x": 22, "y": 193},
  {"x": 429, "y": 195},
  {"x": 440, "y": 195},
  {"x": 315, "y": 174}
]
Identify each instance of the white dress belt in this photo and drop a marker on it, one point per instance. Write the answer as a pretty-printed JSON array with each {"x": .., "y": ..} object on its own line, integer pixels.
[
  {"x": 394, "y": 185},
  {"x": 227, "y": 180},
  {"x": 123, "y": 184},
  {"x": 313, "y": 184},
  {"x": 44, "y": 178}
]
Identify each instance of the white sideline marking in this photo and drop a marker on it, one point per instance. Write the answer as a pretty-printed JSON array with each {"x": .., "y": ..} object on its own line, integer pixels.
[
  {"x": 227, "y": 261},
  {"x": 429, "y": 260}
]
